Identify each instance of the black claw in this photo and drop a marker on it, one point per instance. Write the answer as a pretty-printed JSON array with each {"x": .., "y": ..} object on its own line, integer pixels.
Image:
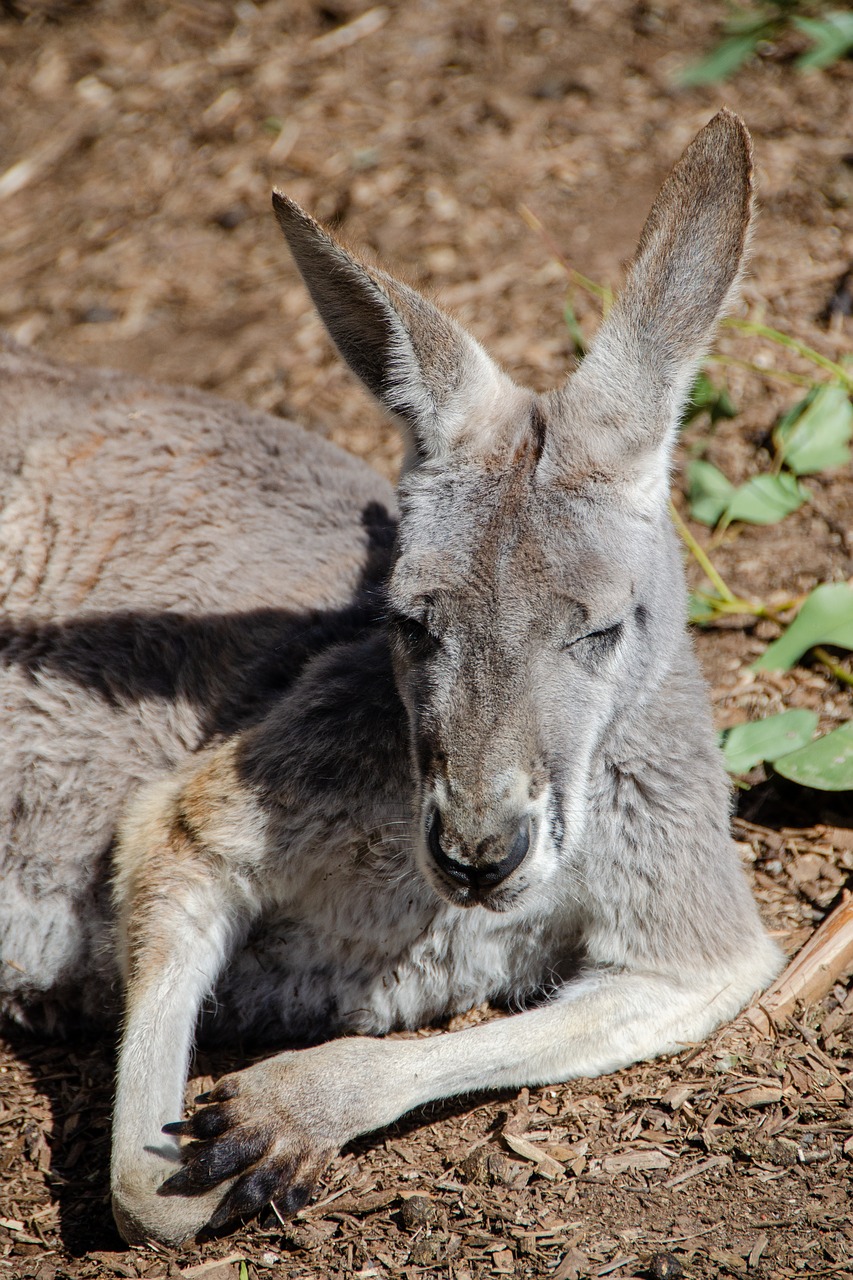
[
  {"x": 210, "y": 1123},
  {"x": 182, "y": 1128},
  {"x": 294, "y": 1199},
  {"x": 251, "y": 1192},
  {"x": 206, "y": 1164},
  {"x": 223, "y": 1091},
  {"x": 220, "y": 1218},
  {"x": 179, "y": 1184}
]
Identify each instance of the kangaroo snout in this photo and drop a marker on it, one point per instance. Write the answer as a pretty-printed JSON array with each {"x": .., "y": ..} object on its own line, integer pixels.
[{"x": 481, "y": 868}]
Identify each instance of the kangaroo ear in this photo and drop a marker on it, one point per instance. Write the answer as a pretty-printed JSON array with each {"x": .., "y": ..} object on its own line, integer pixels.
[
  {"x": 418, "y": 362},
  {"x": 621, "y": 408}
]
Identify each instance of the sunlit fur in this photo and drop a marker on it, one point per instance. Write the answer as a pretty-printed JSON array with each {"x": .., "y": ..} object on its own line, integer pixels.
[{"x": 303, "y": 746}]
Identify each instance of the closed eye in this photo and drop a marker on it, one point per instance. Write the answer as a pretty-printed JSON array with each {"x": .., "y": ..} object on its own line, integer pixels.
[
  {"x": 414, "y": 636},
  {"x": 596, "y": 642}
]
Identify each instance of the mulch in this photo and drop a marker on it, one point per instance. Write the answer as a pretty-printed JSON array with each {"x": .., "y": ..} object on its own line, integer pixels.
[{"x": 138, "y": 143}]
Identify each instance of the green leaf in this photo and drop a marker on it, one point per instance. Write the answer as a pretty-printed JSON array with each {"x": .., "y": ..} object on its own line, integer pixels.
[
  {"x": 244, "y": 1271},
  {"x": 815, "y": 434},
  {"x": 708, "y": 493},
  {"x": 746, "y": 745},
  {"x": 720, "y": 62},
  {"x": 700, "y": 609},
  {"x": 832, "y": 36},
  {"x": 762, "y": 500},
  {"x": 706, "y": 398},
  {"x": 826, "y": 764},
  {"x": 825, "y": 618},
  {"x": 765, "y": 499}
]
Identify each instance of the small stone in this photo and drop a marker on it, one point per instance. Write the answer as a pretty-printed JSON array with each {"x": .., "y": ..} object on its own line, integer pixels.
[
  {"x": 417, "y": 1212},
  {"x": 503, "y": 1170},
  {"x": 97, "y": 315},
  {"x": 665, "y": 1266},
  {"x": 493, "y": 1167},
  {"x": 429, "y": 1249},
  {"x": 475, "y": 1166},
  {"x": 228, "y": 219},
  {"x": 778, "y": 1151}
]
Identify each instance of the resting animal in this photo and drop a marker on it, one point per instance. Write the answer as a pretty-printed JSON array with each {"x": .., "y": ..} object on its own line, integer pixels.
[{"x": 277, "y": 766}]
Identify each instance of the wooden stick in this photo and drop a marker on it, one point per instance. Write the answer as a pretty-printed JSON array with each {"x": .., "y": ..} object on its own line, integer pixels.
[{"x": 825, "y": 958}]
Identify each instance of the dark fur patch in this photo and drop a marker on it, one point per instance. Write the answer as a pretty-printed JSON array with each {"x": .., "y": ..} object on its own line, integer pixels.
[
  {"x": 231, "y": 667},
  {"x": 539, "y": 431}
]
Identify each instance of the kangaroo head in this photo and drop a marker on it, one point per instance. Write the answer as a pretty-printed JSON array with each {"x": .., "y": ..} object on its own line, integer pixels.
[{"x": 537, "y": 591}]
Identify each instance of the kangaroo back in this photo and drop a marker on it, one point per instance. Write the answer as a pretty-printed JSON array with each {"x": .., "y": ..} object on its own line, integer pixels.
[{"x": 168, "y": 563}]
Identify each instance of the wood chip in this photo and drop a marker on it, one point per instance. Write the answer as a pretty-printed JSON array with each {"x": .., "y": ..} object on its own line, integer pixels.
[
  {"x": 367, "y": 24},
  {"x": 678, "y": 1095},
  {"x": 756, "y": 1251},
  {"x": 368, "y": 1203},
  {"x": 573, "y": 1264},
  {"x": 761, "y": 1096},
  {"x": 546, "y": 1165},
  {"x": 616, "y": 1264},
  {"x": 636, "y": 1160},
  {"x": 704, "y": 1166},
  {"x": 215, "y": 1264}
]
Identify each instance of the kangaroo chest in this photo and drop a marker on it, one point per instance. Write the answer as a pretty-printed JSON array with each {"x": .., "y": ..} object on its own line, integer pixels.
[{"x": 374, "y": 958}]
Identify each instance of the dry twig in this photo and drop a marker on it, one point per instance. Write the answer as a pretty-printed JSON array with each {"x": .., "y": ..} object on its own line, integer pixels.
[{"x": 825, "y": 958}]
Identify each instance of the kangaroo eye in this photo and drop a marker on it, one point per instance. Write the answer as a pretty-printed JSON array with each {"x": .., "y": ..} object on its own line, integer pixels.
[
  {"x": 597, "y": 643},
  {"x": 417, "y": 641}
]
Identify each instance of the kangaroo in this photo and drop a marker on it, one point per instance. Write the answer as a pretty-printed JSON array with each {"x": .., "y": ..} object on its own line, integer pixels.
[{"x": 274, "y": 766}]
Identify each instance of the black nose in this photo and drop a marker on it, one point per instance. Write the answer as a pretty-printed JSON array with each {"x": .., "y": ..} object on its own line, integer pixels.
[{"x": 486, "y": 875}]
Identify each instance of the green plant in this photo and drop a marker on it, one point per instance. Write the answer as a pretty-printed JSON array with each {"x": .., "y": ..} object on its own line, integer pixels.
[
  {"x": 810, "y": 437},
  {"x": 829, "y": 31},
  {"x": 823, "y": 617},
  {"x": 813, "y": 435},
  {"x": 746, "y": 745},
  {"x": 785, "y": 741}
]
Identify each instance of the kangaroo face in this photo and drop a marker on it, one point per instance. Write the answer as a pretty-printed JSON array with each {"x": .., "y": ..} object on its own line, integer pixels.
[
  {"x": 537, "y": 591},
  {"x": 520, "y": 613}
]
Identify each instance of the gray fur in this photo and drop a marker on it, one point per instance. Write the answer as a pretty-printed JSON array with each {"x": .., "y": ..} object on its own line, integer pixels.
[
  {"x": 378, "y": 785},
  {"x": 157, "y": 592}
]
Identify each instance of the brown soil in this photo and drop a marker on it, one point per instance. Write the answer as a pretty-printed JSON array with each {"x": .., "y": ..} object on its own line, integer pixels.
[{"x": 138, "y": 144}]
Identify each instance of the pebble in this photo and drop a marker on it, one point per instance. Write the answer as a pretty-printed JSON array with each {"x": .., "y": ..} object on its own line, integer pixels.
[
  {"x": 417, "y": 1212},
  {"x": 665, "y": 1266}
]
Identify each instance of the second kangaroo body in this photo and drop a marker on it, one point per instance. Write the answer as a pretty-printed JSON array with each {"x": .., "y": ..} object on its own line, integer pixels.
[{"x": 292, "y": 757}]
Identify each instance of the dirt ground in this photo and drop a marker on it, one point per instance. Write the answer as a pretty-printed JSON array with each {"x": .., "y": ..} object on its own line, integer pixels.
[{"x": 138, "y": 145}]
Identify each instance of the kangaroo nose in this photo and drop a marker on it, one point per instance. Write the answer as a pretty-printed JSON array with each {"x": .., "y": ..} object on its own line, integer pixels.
[{"x": 486, "y": 875}]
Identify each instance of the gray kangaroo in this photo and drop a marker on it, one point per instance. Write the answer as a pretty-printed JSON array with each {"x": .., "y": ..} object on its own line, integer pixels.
[{"x": 277, "y": 768}]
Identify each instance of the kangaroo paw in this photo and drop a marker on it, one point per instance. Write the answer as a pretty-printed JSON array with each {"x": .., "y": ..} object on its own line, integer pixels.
[{"x": 264, "y": 1154}]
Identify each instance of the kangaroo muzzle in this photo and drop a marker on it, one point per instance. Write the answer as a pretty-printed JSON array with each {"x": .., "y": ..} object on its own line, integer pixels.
[{"x": 480, "y": 876}]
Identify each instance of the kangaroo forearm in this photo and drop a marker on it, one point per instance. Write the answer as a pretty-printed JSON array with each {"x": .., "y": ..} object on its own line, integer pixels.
[{"x": 599, "y": 1023}]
